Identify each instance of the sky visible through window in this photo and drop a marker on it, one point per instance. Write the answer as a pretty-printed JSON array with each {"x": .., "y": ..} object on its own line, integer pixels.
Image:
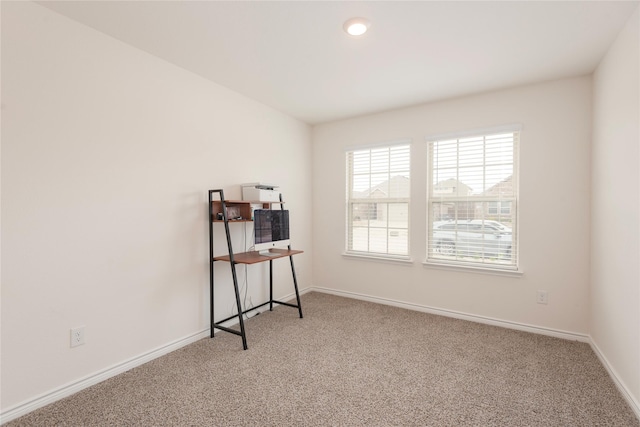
[
  {"x": 478, "y": 162},
  {"x": 376, "y": 166}
]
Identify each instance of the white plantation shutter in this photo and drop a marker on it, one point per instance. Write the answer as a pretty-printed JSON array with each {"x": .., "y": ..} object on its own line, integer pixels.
[
  {"x": 378, "y": 190},
  {"x": 473, "y": 200}
]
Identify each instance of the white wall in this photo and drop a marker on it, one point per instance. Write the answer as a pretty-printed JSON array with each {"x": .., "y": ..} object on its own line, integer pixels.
[
  {"x": 615, "y": 206},
  {"x": 107, "y": 156},
  {"x": 554, "y": 207}
]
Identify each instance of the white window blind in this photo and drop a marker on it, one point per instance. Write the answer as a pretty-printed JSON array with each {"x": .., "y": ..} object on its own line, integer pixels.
[
  {"x": 378, "y": 188},
  {"x": 473, "y": 200}
]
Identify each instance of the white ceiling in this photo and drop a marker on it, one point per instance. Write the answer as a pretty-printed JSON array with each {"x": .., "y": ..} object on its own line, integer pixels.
[{"x": 295, "y": 57}]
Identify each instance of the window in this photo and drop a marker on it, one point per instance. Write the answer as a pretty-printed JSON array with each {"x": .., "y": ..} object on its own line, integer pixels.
[
  {"x": 472, "y": 200},
  {"x": 378, "y": 201},
  {"x": 499, "y": 207}
]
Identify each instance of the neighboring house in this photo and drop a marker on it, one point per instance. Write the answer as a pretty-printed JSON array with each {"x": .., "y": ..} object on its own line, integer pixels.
[
  {"x": 451, "y": 187},
  {"x": 447, "y": 210},
  {"x": 499, "y": 209},
  {"x": 395, "y": 188},
  {"x": 503, "y": 188}
]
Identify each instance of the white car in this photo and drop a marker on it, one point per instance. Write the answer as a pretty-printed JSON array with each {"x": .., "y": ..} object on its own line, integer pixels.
[{"x": 475, "y": 237}]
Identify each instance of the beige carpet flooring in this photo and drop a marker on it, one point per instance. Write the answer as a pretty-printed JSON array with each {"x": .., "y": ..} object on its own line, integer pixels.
[{"x": 354, "y": 363}]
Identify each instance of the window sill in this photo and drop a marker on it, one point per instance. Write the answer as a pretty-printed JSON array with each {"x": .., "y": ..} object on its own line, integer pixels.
[
  {"x": 473, "y": 269},
  {"x": 381, "y": 258}
]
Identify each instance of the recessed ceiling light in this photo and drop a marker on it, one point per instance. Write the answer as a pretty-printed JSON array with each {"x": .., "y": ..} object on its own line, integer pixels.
[{"x": 356, "y": 26}]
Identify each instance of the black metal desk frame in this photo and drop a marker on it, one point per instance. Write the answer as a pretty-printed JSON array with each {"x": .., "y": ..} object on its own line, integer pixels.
[{"x": 243, "y": 258}]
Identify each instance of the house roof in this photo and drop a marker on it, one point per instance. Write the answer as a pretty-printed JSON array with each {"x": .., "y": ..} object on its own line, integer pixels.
[
  {"x": 452, "y": 185},
  {"x": 503, "y": 187},
  {"x": 395, "y": 187}
]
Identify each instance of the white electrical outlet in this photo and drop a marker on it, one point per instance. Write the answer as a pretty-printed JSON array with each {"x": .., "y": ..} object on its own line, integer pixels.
[
  {"x": 543, "y": 297},
  {"x": 77, "y": 336}
]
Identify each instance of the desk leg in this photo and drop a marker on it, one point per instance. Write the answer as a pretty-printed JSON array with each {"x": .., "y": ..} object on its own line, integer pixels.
[
  {"x": 270, "y": 285},
  {"x": 211, "y": 323},
  {"x": 295, "y": 285},
  {"x": 240, "y": 316}
]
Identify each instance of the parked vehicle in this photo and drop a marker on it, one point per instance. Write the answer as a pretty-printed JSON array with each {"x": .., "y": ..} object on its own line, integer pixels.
[{"x": 475, "y": 238}]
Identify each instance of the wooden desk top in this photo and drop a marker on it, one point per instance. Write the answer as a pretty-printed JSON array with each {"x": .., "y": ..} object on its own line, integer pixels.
[{"x": 254, "y": 257}]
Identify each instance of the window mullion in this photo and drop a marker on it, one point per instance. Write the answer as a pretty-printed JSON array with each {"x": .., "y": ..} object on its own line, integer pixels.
[
  {"x": 457, "y": 176},
  {"x": 484, "y": 163}
]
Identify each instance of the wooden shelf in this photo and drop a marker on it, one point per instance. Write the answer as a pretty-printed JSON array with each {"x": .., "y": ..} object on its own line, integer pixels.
[
  {"x": 237, "y": 209},
  {"x": 254, "y": 257}
]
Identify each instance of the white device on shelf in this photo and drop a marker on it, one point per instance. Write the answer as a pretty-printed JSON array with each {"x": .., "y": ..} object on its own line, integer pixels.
[{"x": 256, "y": 191}]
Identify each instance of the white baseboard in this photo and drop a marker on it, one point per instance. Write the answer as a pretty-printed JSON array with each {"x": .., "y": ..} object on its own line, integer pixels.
[
  {"x": 633, "y": 403},
  {"x": 459, "y": 315},
  {"x": 68, "y": 389},
  {"x": 92, "y": 379}
]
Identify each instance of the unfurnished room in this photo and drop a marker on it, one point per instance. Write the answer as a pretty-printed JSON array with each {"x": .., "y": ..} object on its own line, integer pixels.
[{"x": 320, "y": 213}]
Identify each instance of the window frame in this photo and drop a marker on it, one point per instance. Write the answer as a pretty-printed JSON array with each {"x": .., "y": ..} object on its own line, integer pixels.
[
  {"x": 350, "y": 201},
  {"x": 512, "y": 202}
]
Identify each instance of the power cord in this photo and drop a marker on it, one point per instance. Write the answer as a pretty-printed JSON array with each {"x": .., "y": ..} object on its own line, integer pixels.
[
  {"x": 244, "y": 287},
  {"x": 246, "y": 275}
]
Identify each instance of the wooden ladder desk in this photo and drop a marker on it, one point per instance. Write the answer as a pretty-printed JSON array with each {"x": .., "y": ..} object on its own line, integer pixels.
[{"x": 252, "y": 257}]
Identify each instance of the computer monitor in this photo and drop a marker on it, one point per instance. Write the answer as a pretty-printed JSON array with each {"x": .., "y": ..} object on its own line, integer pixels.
[{"x": 271, "y": 229}]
